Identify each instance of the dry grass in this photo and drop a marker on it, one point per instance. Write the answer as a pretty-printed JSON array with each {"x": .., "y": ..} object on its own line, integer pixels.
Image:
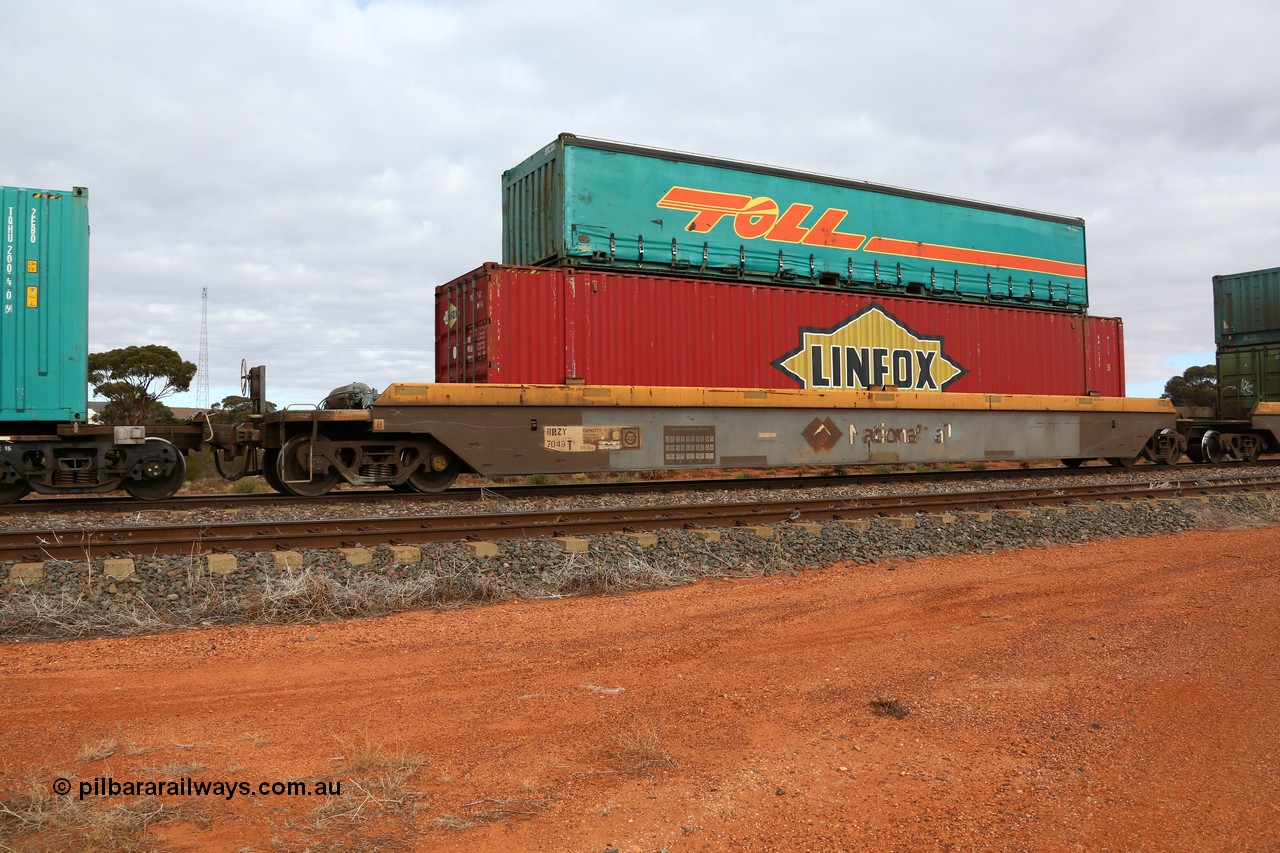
[
  {"x": 380, "y": 807},
  {"x": 1213, "y": 517},
  {"x": 377, "y": 803},
  {"x": 638, "y": 751},
  {"x": 580, "y": 575},
  {"x": 311, "y": 595},
  {"x": 98, "y": 751},
  {"x": 173, "y": 771},
  {"x": 377, "y": 766},
  {"x": 885, "y": 707},
  {"x": 453, "y": 823},
  {"x": 37, "y": 616},
  {"x": 35, "y": 819},
  {"x": 491, "y": 810},
  {"x": 306, "y": 596}
]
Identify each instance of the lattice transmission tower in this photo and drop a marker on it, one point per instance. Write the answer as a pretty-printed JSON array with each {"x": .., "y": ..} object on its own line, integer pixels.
[{"x": 202, "y": 367}]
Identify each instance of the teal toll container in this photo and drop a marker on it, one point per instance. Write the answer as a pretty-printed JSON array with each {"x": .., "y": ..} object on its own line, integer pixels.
[
  {"x": 1246, "y": 308},
  {"x": 44, "y": 306},
  {"x": 591, "y": 203}
]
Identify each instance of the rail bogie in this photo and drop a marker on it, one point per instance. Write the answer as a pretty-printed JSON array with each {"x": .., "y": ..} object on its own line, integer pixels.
[
  {"x": 1215, "y": 441},
  {"x": 308, "y": 453},
  {"x": 147, "y": 462}
]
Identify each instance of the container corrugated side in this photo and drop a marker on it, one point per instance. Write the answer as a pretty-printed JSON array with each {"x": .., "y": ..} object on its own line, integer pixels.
[
  {"x": 1104, "y": 355},
  {"x": 496, "y": 321},
  {"x": 44, "y": 304},
  {"x": 1247, "y": 376},
  {"x": 552, "y": 325},
  {"x": 588, "y": 202},
  {"x": 1246, "y": 308},
  {"x": 531, "y": 229}
]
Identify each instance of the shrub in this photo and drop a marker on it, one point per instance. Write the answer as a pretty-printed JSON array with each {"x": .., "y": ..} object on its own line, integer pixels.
[{"x": 249, "y": 486}]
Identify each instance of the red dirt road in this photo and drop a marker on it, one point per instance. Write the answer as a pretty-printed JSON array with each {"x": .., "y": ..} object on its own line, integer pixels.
[{"x": 1120, "y": 695}]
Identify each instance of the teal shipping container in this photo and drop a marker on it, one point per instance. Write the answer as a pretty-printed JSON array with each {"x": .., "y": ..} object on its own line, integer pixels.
[
  {"x": 44, "y": 306},
  {"x": 592, "y": 203},
  {"x": 1246, "y": 308}
]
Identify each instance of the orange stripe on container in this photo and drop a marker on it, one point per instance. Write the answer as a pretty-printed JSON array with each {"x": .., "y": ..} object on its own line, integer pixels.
[
  {"x": 686, "y": 198},
  {"x": 931, "y": 252}
]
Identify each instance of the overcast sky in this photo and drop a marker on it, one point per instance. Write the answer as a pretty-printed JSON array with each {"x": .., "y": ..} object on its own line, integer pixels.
[{"x": 321, "y": 165}]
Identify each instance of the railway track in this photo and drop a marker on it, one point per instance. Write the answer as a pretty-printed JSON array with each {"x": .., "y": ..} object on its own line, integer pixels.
[
  {"x": 187, "y": 538},
  {"x": 118, "y": 503}
]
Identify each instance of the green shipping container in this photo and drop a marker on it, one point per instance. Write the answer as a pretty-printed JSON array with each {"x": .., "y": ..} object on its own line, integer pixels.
[
  {"x": 587, "y": 202},
  {"x": 1246, "y": 308},
  {"x": 1246, "y": 376},
  {"x": 44, "y": 306}
]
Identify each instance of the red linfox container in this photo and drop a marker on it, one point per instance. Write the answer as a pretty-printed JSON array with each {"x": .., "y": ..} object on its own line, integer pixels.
[
  {"x": 1104, "y": 354},
  {"x": 555, "y": 325}
]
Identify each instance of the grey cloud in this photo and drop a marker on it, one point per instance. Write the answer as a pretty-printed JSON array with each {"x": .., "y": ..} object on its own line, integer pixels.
[{"x": 320, "y": 165}]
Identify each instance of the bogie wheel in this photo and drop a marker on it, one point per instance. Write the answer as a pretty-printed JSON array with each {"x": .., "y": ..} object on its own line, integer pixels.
[
  {"x": 10, "y": 492},
  {"x": 1169, "y": 447},
  {"x": 1212, "y": 448},
  {"x": 1122, "y": 461},
  {"x": 270, "y": 459},
  {"x": 437, "y": 475},
  {"x": 301, "y": 472},
  {"x": 1074, "y": 463},
  {"x": 1250, "y": 449},
  {"x": 155, "y": 484}
]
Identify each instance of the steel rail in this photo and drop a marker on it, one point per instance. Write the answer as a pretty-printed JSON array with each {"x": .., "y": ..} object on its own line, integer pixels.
[
  {"x": 116, "y": 503},
  {"x": 34, "y": 545}
]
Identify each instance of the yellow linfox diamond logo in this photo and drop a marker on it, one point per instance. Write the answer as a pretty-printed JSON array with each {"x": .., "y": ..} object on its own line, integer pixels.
[{"x": 871, "y": 349}]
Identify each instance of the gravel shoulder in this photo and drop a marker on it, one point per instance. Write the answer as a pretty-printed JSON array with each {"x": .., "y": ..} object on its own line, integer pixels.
[{"x": 1119, "y": 694}]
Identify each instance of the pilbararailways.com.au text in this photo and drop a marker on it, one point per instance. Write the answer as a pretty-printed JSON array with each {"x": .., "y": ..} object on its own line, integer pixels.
[{"x": 106, "y": 786}]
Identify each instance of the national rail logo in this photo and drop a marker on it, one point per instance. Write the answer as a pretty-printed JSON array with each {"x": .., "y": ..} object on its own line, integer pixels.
[{"x": 871, "y": 349}]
